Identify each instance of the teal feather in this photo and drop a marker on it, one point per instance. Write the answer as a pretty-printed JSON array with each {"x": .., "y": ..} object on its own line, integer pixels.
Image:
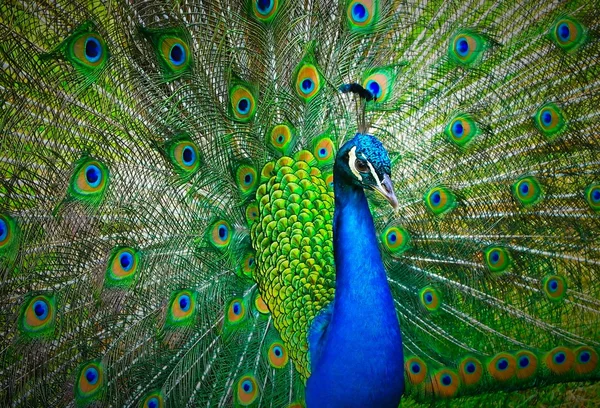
[{"x": 495, "y": 281}]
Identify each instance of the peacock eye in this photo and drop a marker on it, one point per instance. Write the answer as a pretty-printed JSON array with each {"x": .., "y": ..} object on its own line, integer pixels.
[{"x": 361, "y": 166}]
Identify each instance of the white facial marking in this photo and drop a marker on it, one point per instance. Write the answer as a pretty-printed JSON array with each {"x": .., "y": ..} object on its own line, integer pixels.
[
  {"x": 351, "y": 163},
  {"x": 375, "y": 176}
]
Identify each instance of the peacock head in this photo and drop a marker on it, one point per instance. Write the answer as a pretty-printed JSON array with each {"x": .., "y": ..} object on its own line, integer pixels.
[{"x": 363, "y": 162}]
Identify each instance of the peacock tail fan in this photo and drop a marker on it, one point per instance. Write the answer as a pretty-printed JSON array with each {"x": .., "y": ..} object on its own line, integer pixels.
[{"x": 167, "y": 196}]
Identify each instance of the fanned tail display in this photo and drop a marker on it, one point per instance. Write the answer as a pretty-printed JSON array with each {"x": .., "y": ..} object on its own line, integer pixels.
[{"x": 167, "y": 196}]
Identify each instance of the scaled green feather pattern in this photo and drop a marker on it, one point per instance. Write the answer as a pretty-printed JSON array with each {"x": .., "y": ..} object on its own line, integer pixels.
[{"x": 293, "y": 236}]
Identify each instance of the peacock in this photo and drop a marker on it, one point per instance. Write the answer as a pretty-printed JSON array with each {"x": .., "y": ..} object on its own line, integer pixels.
[{"x": 314, "y": 203}]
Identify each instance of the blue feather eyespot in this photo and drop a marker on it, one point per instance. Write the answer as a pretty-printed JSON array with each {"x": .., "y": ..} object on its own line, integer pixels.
[
  {"x": 87, "y": 52},
  {"x": 497, "y": 259},
  {"x": 470, "y": 370},
  {"x": 184, "y": 155},
  {"x": 467, "y": 48},
  {"x": 439, "y": 200},
  {"x": 527, "y": 191},
  {"x": 277, "y": 355},
  {"x": 265, "y": 10},
  {"x": 362, "y": 14},
  {"x": 242, "y": 102},
  {"x": 236, "y": 311},
  {"x": 182, "y": 308},
  {"x": 8, "y": 236},
  {"x": 380, "y": 82},
  {"x": 246, "y": 390},
  {"x": 592, "y": 196},
  {"x": 568, "y": 34},
  {"x": 175, "y": 52},
  {"x": 554, "y": 287},
  {"x": 307, "y": 80},
  {"x": 560, "y": 360},
  {"x": 526, "y": 364},
  {"x": 461, "y": 130},
  {"x": 89, "y": 181},
  {"x": 220, "y": 234},
  {"x": 153, "y": 400},
  {"x": 246, "y": 179},
  {"x": 37, "y": 318},
  {"x": 90, "y": 382},
  {"x": 502, "y": 367},
  {"x": 550, "y": 120},
  {"x": 281, "y": 138},
  {"x": 122, "y": 267},
  {"x": 396, "y": 240},
  {"x": 248, "y": 265},
  {"x": 324, "y": 150},
  {"x": 416, "y": 369},
  {"x": 586, "y": 360},
  {"x": 445, "y": 383},
  {"x": 430, "y": 299}
]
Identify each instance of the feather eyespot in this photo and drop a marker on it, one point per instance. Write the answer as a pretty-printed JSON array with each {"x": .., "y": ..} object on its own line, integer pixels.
[
  {"x": 550, "y": 120},
  {"x": 554, "y": 287},
  {"x": 90, "y": 381},
  {"x": 362, "y": 14},
  {"x": 38, "y": 316},
  {"x": 281, "y": 138},
  {"x": 445, "y": 383},
  {"x": 89, "y": 180},
  {"x": 592, "y": 196},
  {"x": 440, "y": 200},
  {"x": 175, "y": 52},
  {"x": 7, "y": 231},
  {"x": 502, "y": 367},
  {"x": 497, "y": 259},
  {"x": 265, "y": 10},
  {"x": 568, "y": 34},
  {"x": 470, "y": 371},
  {"x": 430, "y": 299},
  {"x": 247, "y": 390},
  {"x": 416, "y": 369},
  {"x": 251, "y": 213},
  {"x": 246, "y": 179},
  {"x": 236, "y": 311},
  {"x": 461, "y": 130},
  {"x": 560, "y": 360},
  {"x": 466, "y": 48},
  {"x": 324, "y": 150},
  {"x": 243, "y": 103},
  {"x": 260, "y": 304},
  {"x": 185, "y": 156},
  {"x": 526, "y": 364},
  {"x": 182, "y": 308},
  {"x": 277, "y": 355},
  {"x": 527, "y": 191},
  {"x": 122, "y": 266},
  {"x": 380, "y": 83},
  {"x": 308, "y": 81},
  {"x": 248, "y": 265},
  {"x": 88, "y": 51},
  {"x": 586, "y": 360},
  {"x": 153, "y": 400},
  {"x": 396, "y": 240},
  {"x": 220, "y": 235}
]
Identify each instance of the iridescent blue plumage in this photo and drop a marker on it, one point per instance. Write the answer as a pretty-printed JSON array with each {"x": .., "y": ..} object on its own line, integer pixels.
[{"x": 359, "y": 348}]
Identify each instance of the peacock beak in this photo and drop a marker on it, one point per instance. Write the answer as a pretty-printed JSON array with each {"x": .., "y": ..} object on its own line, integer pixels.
[{"x": 386, "y": 189}]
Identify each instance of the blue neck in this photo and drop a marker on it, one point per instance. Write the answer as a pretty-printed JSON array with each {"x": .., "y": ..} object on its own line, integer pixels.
[{"x": 361, "y": 349}]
